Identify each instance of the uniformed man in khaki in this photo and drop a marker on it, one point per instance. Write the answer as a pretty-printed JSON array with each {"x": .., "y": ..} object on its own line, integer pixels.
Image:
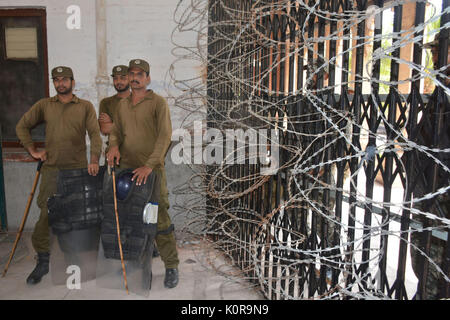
[
  {"x": 67, "y": 118},
  {"x": 108, "y": 106},
  {"x": 140, "y": 139}
]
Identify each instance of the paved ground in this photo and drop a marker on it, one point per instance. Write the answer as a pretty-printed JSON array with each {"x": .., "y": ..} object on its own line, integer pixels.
[{"x": 198, "y": 280}]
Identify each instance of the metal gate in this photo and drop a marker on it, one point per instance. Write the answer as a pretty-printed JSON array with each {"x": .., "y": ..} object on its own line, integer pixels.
[
  {"x": 3, "y": 221},
  {"x": 335, "y": 221}
]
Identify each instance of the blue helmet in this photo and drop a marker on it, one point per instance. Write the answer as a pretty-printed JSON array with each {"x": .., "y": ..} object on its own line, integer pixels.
[{"x": 123, "y": 185}]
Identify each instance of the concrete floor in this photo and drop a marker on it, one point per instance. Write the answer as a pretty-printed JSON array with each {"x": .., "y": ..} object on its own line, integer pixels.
[{"x": 198, "y": 280}]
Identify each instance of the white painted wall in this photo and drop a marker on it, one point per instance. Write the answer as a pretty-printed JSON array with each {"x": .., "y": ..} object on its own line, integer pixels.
[
  {"x": 140, "y": 30},
  {"x": 143, "y": 29}
]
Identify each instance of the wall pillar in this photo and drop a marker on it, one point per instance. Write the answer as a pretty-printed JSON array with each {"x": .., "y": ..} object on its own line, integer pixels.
[{"x": 101, "y": 79}]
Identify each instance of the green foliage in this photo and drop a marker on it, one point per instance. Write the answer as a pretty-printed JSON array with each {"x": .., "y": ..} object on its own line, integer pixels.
[{"x": 385, "y": 65}]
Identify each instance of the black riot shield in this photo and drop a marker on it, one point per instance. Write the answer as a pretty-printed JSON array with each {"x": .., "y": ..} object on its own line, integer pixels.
[
  {"x": 137, "y": 214},
  {"x": 74, "y": 214}
]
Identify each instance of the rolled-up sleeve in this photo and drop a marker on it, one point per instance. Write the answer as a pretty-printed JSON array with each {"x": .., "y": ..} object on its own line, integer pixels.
[{"x": 30, "y": 119}]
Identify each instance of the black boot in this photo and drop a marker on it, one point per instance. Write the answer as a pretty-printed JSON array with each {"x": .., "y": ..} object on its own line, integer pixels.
[
  {"x": 171, "y": 278},
  {"x": 41, "y": 268}
]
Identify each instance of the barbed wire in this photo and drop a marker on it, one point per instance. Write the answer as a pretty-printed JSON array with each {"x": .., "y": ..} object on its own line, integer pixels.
[{"x": 261, "y": 65}]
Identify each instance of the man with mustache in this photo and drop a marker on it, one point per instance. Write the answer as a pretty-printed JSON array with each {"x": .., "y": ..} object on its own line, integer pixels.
[
  {"x": 140, "y": 139},
  {"x": 67, "y": 118}
]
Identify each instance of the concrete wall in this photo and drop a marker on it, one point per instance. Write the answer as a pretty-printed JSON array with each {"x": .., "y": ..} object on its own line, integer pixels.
[
  {"x": 19, "y": 177},
  {"x": 134, "y": 29}
]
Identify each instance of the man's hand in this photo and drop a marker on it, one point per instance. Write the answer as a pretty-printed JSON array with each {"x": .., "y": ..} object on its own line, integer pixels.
[
  {"x": 93, "y": 169},
  {"x": 141, "y": 174},
  {"x": 93, "y": 166},
  {"x": 105, "y": 123},
  {"x": 113, "y": 153},
  {"x": 42, "y": 154},
  {"x": 103, "y": 117}
]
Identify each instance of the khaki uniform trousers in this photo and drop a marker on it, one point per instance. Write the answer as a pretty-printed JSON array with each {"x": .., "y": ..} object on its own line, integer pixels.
[
  {"x": 166, "y": 242},
  {"x": 41, "y": 237}
]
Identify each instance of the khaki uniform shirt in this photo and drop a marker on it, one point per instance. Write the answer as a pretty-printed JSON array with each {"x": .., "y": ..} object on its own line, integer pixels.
[
  {"x": 65, "y": 131},
  {"x": 143, "y": 132}
]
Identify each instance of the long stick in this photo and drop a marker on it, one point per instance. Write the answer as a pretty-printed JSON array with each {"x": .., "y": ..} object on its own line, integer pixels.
[
  {"x": 24, "y": 219},
  {"x": 118, "y": 228}
]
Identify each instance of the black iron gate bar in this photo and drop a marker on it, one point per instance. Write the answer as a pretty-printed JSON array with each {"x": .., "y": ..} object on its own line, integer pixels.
[{"x": 263, "y": 66}]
